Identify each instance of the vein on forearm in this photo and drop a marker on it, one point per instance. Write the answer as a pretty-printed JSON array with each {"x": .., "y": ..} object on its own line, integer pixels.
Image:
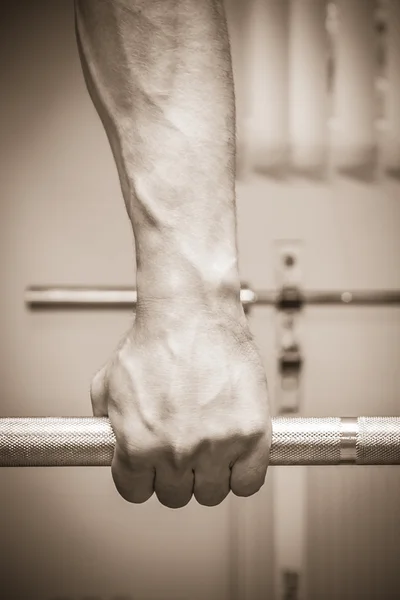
[{"x": 160, "y": 77}]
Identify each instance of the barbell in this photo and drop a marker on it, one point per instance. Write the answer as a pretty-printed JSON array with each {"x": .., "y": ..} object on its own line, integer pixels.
[
  {"x": 90, "y": 441},
  {"x": 286, "y": 298}
]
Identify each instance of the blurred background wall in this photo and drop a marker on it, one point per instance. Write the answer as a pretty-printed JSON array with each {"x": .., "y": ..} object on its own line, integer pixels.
[{"x": 318, "y": 102}]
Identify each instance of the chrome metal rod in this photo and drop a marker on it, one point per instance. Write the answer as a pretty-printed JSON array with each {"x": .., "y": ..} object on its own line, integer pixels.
[
  {"x": 89, "y": 441},
  {"x": 359, "y": 298},
  {"x": 37, "y": 296},
  {"x": 73, "y": 296},
  {"x": 298, "y": 297}
]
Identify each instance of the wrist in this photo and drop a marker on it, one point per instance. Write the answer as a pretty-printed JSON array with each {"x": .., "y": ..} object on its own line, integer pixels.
[
  {"x": 179, "y": 288},
  {"x": 174, "y": 286},
  {"x": 187, "y": 262}
]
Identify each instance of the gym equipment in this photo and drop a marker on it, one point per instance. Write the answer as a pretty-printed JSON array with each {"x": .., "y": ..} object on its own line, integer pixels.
[
  {"x": 89, "y": 441},
  {"x": 286, "y": 298}
]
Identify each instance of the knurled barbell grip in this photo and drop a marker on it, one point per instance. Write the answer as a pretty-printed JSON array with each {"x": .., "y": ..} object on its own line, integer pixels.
[{"x": 89, "y": 441}]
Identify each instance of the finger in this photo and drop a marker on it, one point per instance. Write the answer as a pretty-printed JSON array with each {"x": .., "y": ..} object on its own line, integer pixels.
[
  {"x": 249, "y": 470},
  {"x": 211, "y": 483},
  {"x": 99, "y": 393},
  {"x": 134, "y": 479},
  {"x": 174, "y": 488}
]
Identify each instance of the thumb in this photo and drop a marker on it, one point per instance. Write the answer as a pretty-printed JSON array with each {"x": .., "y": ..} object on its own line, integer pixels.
[{"x": 99, "y": 393}]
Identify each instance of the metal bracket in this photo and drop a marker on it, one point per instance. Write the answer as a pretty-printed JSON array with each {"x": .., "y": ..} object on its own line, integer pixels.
[{"x": 290, "y": 303}]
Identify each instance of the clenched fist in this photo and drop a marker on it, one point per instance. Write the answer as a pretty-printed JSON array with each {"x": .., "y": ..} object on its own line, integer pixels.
[{"x": 186, "y": 395}]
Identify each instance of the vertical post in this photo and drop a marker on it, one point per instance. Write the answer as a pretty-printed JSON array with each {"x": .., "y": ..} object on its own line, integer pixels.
[
  {"x": 355, "y": 97},
  {"x": 290, "y": 532},
  {"x": 308, "y": 83},
  {"x": 289, "y": 487},
  {"x": 269, "y": 86}
]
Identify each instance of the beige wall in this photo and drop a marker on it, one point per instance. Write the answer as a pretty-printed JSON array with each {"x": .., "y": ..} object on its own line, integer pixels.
[{"x": 65, "y": 532}]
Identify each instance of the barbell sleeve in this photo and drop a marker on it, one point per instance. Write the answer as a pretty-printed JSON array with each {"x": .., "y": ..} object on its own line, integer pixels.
[{"x": 90, "y": 441}]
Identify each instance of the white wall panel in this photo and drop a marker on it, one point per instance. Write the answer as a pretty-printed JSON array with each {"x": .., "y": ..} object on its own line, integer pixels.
[
  {"x": 355, "y": 98},
  {"x": 308, "y": 94}
]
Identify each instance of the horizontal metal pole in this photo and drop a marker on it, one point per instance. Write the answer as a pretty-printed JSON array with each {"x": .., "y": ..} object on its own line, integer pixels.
[
  {"x": 90, "y": 441},
  {"x": 80, "y": 296},
  {"x": 73, "y": 296},
  {"x": 41, "y": 296},
  {"x": 355, "y": 297}
]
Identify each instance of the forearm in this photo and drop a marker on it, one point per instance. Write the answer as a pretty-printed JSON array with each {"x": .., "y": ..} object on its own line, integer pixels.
[{"x": 159, "y": 73}]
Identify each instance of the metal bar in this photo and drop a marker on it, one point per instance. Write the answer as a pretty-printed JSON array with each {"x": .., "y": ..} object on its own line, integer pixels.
[
  {"x": 329, "y": 297},
  {"x": 38, "y": 296},
  {"x": 89, "y": 441},
  {"x": 360, "y": 298},
  {"x": 74, "y": 296},
  {"x": 41, "y": 296}
]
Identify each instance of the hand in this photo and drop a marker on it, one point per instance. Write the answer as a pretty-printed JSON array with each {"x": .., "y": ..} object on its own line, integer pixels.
[{"x": 186, "y": 395}]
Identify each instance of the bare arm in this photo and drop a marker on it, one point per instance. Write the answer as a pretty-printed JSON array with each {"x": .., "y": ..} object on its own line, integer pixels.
[
  {"x": 186, "y": 390},
  {"x": 160, "y": 76}
]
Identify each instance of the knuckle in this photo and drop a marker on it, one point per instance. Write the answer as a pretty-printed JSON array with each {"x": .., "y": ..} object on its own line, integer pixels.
[
  {"x": 174, "y": 490},
  {"x": 179, "y": 450},
  {"x": 251, "y": 436},
  {"x": 133, "y": 497},
  {"x": 173, "y": 500},
  {"x": 134, "y": 494},
  {"x": 254, "y": 427},
  {"x": 137, "y": 458},
  {"x": 138, "y": 447},
  {"x": 247, "y": 480},
  {"x": 133, "y": 481},
  {"x": 181, "y": 457},
  {"x": 211, "y": 494},
  {"x": 247, "y": 489},
  {"x": 210, "y": 500}
]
